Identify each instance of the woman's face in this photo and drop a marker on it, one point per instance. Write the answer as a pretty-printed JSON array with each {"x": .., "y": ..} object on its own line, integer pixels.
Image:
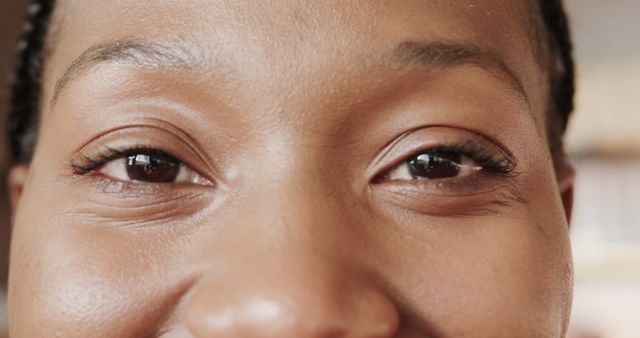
[{"x": 291, "y": 169}]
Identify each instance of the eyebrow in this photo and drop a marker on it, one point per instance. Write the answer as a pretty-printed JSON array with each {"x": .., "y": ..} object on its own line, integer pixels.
[
  {"x": 152, "y": 55},
  {"x": 442, "y": 55},
  {"x": 140, "y": 54}
]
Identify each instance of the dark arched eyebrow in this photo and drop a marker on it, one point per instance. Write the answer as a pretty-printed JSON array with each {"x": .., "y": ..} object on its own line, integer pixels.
[
  {"x": 442, "y": 54},
  {"x": 408, "y": 54},
  {"x": 137, "y": 53}
]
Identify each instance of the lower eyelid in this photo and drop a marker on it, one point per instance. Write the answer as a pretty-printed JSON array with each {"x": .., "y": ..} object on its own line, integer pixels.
[
  {"x": 108, "y": 185},
  {"x": 124, "y": 203},
  {"x": 476, "y": 183},
  {"x": 448, "y": 206},
  {"x": 450, "y": 198}
]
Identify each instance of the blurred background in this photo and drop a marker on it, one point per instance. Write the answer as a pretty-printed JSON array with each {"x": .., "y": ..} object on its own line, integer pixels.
[{"x": 603, "y": 142}]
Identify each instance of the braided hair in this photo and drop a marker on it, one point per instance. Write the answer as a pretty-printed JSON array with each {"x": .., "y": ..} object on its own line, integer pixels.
[
  {"x": 26, "y": 87},
  {"x": 562, "y": 75},
  {"x": 27, "y": 81}
]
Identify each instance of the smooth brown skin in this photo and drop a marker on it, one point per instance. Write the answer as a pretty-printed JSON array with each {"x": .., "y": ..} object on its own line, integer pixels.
[{"x": 290, "y": 112}]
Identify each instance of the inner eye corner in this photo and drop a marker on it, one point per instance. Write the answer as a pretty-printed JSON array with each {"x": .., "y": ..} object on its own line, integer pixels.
[{"x": 379, "y": 178}]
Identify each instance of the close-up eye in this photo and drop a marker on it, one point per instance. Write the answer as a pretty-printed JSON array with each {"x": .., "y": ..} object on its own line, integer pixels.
[
  {"x": 143, "y": 166},
  {"x": 455, "y": 161},
  {"x": 434, "y": 164}
]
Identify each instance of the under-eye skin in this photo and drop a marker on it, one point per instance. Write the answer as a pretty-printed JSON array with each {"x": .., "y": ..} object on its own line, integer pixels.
[{"x": 136, "y": 184}]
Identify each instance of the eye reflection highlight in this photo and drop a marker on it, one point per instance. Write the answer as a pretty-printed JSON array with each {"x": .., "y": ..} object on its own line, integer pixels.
[{"x": 434, "y": 165}]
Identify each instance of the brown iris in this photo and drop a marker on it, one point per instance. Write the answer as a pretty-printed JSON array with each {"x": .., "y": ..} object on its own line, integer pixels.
[
  {"x": 434, "y": 165},
  {"x": 155, "y": 168}
]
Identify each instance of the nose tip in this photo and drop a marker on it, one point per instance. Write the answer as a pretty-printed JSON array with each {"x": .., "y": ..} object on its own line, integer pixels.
[{"x": 309, "y": 310}]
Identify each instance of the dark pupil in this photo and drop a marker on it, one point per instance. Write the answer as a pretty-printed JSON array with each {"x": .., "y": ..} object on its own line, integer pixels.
[
  {"x": 152, "y": 168},
  {"x": 434, "y": 165}
]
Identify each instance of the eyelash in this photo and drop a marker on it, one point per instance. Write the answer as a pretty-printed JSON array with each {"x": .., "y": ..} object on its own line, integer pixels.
[
  {"x": 493, "y": 161},
  {"x": 92, "y": 163}
]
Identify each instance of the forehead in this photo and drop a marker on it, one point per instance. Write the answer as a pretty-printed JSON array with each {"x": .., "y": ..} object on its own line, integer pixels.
[
  {"x": 281, "y": 25},
  {"x": 278, "y": 16},
  {"x": 287, "y": 40}
]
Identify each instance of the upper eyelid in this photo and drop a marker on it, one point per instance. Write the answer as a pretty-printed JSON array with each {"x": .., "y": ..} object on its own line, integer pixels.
[
  {"x": 479, "y": 166},
  {"x": 112, "y": 154},
  {"x": 93, "y": 163},
  {"x": 160, "y": 138},
  {"x": 154, "y": 125}
]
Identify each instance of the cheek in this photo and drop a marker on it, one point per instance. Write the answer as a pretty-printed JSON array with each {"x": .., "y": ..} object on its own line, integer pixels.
[
  {"x": 82, "y": 279},
  {"x": 506, "y": 274}
]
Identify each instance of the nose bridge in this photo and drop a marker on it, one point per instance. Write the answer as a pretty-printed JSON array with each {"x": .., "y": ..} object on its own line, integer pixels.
[
  {"x": 285, "y": 275},
  {"x": 298, "y": 207},
  {"x": 295, "y": 207}
]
